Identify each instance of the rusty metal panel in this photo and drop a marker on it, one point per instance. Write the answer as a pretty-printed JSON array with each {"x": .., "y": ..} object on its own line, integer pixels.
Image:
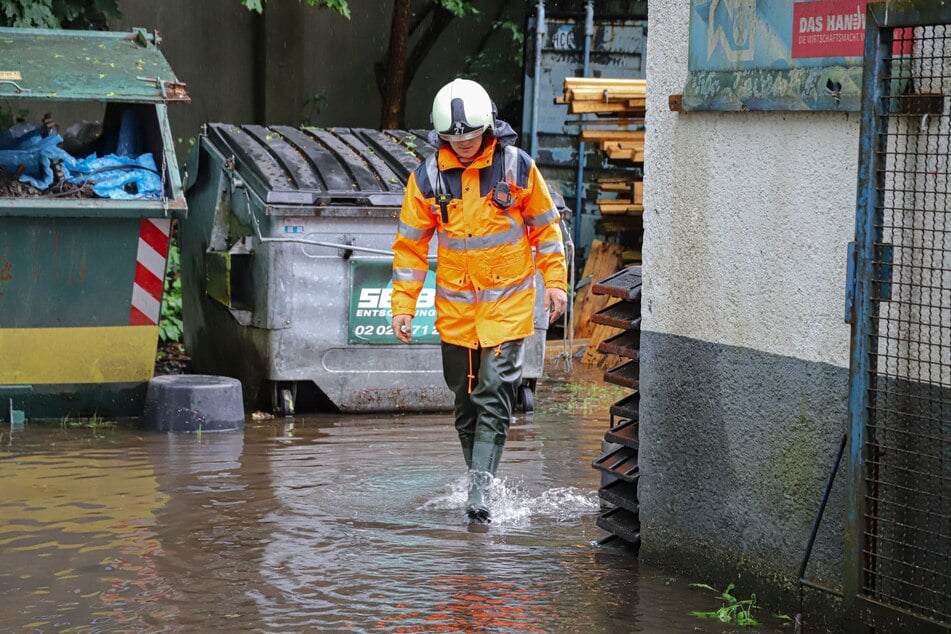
[
  {"x": 625, "y": 284},
  {"x": 627, "y": 407},
  {"x": 622, "y": 494},
  {"x": 624, "y": 344},
  {"x": 620, "y": 463},
  {"x": 624, "y": 433},
  {"x": 624, "y": 315},
  {"x": 625, "y": 375}
]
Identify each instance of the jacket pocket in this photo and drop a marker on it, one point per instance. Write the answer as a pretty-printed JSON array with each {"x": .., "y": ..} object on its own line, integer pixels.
[{"x": 506, "y": 264}]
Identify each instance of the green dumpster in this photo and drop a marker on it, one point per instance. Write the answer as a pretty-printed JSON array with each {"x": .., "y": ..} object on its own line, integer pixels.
[{"x": 81, "y": 271}]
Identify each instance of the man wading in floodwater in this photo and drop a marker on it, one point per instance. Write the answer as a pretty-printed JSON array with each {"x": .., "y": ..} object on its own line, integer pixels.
[{"x": 489, "y": 205}]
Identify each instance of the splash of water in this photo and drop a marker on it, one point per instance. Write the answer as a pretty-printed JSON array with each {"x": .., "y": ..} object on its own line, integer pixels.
[{"x": 511, "y": 502}]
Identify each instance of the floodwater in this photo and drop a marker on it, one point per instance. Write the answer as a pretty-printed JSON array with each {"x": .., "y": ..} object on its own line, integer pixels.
[{"x": 326, "y": 523}]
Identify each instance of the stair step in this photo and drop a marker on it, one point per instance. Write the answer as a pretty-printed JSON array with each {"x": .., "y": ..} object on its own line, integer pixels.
[
  {"x": 625, "y": 375},
  {"x": 620, "y": 463},
  {"x": 625, "y": 284},
  {"x": 620, "y": 493},
  {"x": 628, "y": 407},
  {"x": 624, "y": 344},
  {"x": 625, "y": 315},
  {"x": 624, "y": 433},
  {"x": 622, "y": 523}
]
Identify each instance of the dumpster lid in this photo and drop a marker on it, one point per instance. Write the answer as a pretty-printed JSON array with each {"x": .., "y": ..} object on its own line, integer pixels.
[
  {"x": 323, "y": 166},
  {"x": 86, "y": 65}
]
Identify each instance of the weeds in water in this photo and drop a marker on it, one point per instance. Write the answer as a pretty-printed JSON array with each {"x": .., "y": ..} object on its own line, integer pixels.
[
  {"x": 93, "y": 422},
  {"x": 733, "y": 610}
]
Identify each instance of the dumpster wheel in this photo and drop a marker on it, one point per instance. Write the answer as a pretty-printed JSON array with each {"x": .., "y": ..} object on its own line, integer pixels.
[
  {"x": 283, "y": 397},
  {"x": 525, "y": 399}
]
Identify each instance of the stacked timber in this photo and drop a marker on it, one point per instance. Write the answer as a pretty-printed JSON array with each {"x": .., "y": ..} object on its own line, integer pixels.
[
  {"x": 617, "y": 129},
  {"x": 604, "y": 96},
  {"x": 603, "y": 261},
  {"x": 612, "y": 119},
  {"x": 620, "y": 137}
]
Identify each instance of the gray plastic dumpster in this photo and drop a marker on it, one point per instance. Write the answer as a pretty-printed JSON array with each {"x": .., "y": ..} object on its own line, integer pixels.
[{"x": 286, "y": 268}]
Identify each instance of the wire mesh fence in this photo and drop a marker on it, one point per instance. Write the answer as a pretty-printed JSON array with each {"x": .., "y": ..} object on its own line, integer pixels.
[{"x": 907, "y": 449}]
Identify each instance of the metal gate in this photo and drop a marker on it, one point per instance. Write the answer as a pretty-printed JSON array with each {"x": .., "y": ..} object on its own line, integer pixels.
[{"x": 898, "y": 573}]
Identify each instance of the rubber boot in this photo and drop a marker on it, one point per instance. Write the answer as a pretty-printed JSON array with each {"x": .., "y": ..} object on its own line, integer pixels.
[{"x": 485, "y": 462}]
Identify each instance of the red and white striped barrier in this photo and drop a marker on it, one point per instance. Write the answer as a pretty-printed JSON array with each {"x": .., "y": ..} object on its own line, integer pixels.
[{"x": 150, "y": 271}]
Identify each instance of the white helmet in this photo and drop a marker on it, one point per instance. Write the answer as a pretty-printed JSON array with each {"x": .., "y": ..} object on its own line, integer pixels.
[{"x": 462, "y": 110}]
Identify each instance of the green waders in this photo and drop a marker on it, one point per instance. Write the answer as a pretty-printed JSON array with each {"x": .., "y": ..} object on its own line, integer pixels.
[{"x": 484, "y": 382}]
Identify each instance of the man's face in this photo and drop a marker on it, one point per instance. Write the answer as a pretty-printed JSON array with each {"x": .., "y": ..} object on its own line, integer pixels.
[{"x": 466, "y": 150}]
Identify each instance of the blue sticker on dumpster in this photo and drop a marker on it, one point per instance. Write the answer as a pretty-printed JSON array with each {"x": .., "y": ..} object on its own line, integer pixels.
[{"x": 370, "y": 316}]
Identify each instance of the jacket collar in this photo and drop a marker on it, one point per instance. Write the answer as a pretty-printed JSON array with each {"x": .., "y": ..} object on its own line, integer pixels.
[{"x": 449, "y": 160}]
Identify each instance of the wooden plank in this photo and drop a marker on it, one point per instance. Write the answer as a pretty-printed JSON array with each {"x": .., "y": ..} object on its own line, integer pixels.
[
  {"x": 604, "y": 260},
  {"x": 620, "y": 207},
  {"x": 621, "y": 136},
  {"x": 621, "y": 187},
  {"x": 618, "y": 153},
  {"x": 606, "y": 95},
  {"x": 589, "y": 107},
  {"x": 622, "y": 121},
  {"x": 631, "y": 256},
  {"x": 629, "y": 190},
  {"x": 604, "y": 81}
]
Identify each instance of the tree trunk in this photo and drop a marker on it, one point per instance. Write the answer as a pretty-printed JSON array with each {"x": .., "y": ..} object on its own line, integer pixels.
[
  {"x": 441, "y": 18},
  {"x": 394, "y": 76}
]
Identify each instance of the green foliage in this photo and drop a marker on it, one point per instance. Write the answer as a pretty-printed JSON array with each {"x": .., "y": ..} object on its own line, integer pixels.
[
  {"x": 93, "y": 422},
  {"x": 55, "y": 14},
  {"x": 340, "y": 6},
  {"x": 459, "y": 8},
  {"x": 170, "y": 321},
  {"x": 9, "y": 116},
  {"x": 733, "y": 610},
  {"x": 501, "y": 61},
  {"x": 312, "y": 107}
]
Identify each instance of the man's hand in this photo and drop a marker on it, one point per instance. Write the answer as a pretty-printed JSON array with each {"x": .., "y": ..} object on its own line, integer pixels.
[
  {"x": 403, "y": 327},
  {"x": 556, "y": 300}
]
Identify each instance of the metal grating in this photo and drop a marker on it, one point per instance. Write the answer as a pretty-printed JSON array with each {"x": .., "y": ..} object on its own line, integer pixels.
[{"x": 906, "y": 555}]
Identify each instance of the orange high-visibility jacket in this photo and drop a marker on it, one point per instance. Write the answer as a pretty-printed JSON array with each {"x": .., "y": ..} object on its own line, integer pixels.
[{"x": 485, "y": 274}]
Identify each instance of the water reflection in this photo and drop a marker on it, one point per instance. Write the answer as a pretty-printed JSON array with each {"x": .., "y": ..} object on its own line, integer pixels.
[{"x": 326, "y": 523}]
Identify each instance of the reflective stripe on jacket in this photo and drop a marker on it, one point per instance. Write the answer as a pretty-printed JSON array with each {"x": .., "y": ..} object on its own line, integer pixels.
[{"x": 485, "y": 275}]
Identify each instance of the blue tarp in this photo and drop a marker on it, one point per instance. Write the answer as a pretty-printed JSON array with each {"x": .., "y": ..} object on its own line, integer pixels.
[{"x": 112, "y": 176}]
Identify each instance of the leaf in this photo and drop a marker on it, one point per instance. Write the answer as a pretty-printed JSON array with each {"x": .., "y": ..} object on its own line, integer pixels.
[{"x": 703, "y": 586}]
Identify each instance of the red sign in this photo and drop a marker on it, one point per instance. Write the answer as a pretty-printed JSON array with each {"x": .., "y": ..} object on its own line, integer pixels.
[
  {"x": 835, "y": 28},
  {"x": 829, "y": 28}
]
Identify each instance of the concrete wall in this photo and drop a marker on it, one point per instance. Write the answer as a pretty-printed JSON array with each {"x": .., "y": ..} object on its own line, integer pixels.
[
  {"x": 241, "y": 67},
  {"x": 745, "y": 352},
  {"x": 211, "y": 47}
]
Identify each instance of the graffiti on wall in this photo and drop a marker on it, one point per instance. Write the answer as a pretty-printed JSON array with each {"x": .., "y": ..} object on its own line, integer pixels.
[{"x": 775, "y": 55}]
